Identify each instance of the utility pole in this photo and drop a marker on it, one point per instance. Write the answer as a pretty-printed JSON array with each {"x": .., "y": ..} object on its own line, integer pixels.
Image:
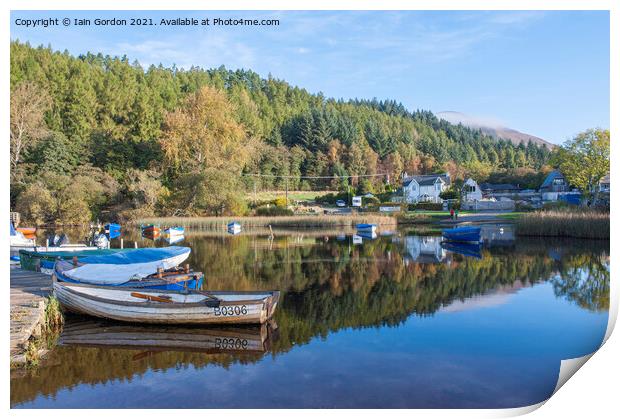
[{"x": 287, "y": 192}]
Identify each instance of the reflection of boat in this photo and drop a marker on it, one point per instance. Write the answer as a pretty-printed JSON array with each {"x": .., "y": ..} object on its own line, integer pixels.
[
  {"x": 366, "y": 228},
  {"x": 174, "y": 239},
  {"x": 151, "y": 232},
  {"x": 233, "y": 227},
  {"x": 212, "y": 340},
  {"x": 462, "y": 234},
  {"x": 172, "y": 307},
  {"x": 465, "y": 249},
  {"x": 120, "y": 267},
  {"x": 371, "y": 235},
  {"x": 43, "y": 261},
  {"x": 112, "y": 230}
]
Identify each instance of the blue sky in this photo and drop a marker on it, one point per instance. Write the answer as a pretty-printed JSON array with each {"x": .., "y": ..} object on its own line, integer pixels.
[{"x": 544, "y": 73}]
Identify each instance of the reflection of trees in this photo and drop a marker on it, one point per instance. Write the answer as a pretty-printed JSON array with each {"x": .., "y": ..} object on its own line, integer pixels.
[
  {"x": 584, "y": 279},
  {"x": 330, "y": 286}
]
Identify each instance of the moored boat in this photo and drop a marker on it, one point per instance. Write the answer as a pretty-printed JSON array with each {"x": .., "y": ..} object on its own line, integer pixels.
[
  {"x": 173, "y": 279},
  {"x": 121, "y": 267},
  {"x": 174, "y": 231},
  {"x": 41, "y": 260},
  {"x": 112, "y": 230},
  {"x": 28, "y": 232},
  {"x": 172, "y": 307},
  {"x": 366, "y": 228},
  {"x": 462, "y": 234}
]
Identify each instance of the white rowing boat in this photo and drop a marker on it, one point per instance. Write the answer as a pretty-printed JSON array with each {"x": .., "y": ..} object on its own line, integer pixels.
[{"x": 167, "y": 307}]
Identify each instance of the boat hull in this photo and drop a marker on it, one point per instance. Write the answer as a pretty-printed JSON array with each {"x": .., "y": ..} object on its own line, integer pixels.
[
  {"x": 464, "y": 235},
  {"x": 187, "y": 308}
]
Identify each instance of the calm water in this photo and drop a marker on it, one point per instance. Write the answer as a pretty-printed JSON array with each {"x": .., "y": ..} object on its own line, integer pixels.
[{"x": 397, "y": 321}]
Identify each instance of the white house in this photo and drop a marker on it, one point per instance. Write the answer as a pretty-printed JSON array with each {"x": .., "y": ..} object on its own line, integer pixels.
[
  {"x": 424, "y": 188},
  {"x": 471, "y": 191}
]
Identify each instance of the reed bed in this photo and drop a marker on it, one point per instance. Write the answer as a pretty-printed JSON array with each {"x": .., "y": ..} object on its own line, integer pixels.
[
  {"x": 302, "y": 221},
  {"x": 579, "y": 224}
]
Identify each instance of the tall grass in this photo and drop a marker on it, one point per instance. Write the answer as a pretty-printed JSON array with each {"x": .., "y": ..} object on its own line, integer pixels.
[
  {"x": 576, "y": 223},
  {"x": 302, "y": 221}
]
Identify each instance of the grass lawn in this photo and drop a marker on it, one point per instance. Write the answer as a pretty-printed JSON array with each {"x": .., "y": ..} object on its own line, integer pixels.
[{"x": 292, "y": 195}]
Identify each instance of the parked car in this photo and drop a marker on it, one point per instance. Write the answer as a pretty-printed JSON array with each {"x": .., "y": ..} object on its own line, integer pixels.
[{"x": 341, "y": 203}]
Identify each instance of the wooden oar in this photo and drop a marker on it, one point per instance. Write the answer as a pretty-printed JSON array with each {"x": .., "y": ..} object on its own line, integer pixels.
[
  {"x": 212, "y": 300},
  {"x": 160, "y": 299}
]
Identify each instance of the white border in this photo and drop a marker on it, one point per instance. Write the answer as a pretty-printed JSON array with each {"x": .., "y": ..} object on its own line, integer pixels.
[{"x": 593, "y": 394}]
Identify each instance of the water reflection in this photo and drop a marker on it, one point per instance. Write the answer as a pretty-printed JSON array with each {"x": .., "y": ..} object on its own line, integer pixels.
[{"x": 375, "y": 312}]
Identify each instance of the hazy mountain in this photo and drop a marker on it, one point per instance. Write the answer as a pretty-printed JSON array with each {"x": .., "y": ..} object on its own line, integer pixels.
[{"x": 492, "y": 128}]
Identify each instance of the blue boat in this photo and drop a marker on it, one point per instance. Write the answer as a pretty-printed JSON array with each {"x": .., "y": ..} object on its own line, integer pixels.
[
  {"x": 466, "y": 249},
  {"x": 112, "y": 230},
  {"x": 153, "y": 268},
  {"x": 462, "y": 234},
  {"x": 367, "y": 228}
]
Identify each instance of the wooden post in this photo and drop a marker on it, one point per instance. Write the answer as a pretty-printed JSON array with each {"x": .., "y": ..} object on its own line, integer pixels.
[
  {"x": 160, "y": 273},
  {"x": 135, "y": 245},
  {"x": 287, "y": 192},
  {"x": 121, "y": 243},
  {"x": 187, "y": 268},
  {"x": 75, "y": 260}
]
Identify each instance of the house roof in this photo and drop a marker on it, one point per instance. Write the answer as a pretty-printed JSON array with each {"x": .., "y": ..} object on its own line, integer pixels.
[
  {"x": 498, "y": 187},
  {"x": 554, "y": 174},
  {"x": 425, "y": 180},
  {"x": 605, "y": 179}
]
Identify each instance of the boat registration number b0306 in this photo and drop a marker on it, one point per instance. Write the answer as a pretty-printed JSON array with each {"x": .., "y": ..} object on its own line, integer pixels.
[
  {"x": 230, "y": 310},
  {"x": 231, "y": 343}
]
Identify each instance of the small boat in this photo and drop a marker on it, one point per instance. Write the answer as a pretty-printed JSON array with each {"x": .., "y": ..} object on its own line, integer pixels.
[
  {"x": 112, "y": 230},
  {"x": 173, "y": 279},
  {"x": 28, "y": 232},
  {"x": 151, "y": 232},
  {"x": 138, "y": 305},
  {"x": 233, "y": 227},
  {"x": 368, "y": 228},
  {"x": 121, "y": 267},
  {"x": 43, "y": 261},
  {"x": 465, "y": 249},
  {"x": 17, "y": 239},
  {"x": 97, "y": 333},
  {"x": 174, "y": 231},
  {"x": 462, "y": 234}
]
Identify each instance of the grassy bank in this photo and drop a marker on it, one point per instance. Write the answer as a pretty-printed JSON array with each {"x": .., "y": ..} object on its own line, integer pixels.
[
  {"x": 579, "y": 224},
  {"x": 305, "y": 221}
]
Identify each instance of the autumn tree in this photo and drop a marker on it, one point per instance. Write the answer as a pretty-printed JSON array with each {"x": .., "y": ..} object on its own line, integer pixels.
[
  {"x": 28, "y": 106},
  {"x": 584, "y": 160}
]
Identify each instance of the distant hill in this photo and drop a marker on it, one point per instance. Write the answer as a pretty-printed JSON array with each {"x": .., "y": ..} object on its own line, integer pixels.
[{"x": 491, "y": 128}]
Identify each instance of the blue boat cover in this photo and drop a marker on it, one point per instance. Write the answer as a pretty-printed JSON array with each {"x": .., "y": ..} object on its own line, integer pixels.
[{"x": 145, "y": 255}]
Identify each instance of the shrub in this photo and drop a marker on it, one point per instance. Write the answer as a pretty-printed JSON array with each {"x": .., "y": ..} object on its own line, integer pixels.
[
  {"x": 280, "y": 202},
  {"x": 426, "y": 206},
  {"x": 36, "y": 205},
  {"x": 273, "y": 211}
]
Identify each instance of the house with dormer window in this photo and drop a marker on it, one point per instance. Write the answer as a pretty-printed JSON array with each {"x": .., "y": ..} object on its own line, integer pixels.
[{"x": 424, "y": 188}]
